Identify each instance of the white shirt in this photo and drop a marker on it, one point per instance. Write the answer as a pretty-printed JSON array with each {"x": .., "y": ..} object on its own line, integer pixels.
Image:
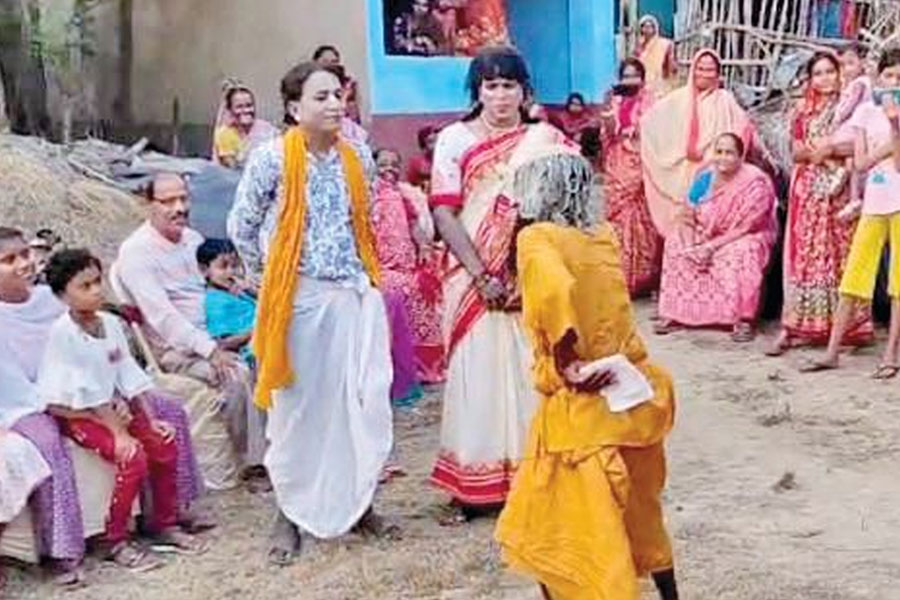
[
  {"x": 81, "y": 372},
  {"x": 23, "y": 336}
]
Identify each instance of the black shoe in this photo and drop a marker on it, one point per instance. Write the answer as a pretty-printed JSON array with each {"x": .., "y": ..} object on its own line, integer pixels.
[{"x": 665, "y": 583}]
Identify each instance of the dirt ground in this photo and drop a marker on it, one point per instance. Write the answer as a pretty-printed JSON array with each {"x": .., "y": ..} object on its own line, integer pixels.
[{"x": 782, "y": 487}]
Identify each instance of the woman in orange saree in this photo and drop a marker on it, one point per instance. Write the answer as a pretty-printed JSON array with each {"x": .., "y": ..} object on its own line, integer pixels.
[
  {"x": 658, "y": 55},
  {"x": 584, "y": 517},
  {"x": 678, "y": 136},
  {"x": 626, "y": 204},
  {"x": 488, "y": 399},
  {"x": 817, "y": 239}
]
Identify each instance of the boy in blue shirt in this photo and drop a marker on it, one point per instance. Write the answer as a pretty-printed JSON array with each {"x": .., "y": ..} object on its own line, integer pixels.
[{"x": 230, "y": 309}]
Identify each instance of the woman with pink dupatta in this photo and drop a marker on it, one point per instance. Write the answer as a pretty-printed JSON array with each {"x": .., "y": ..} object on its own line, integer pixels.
[
  {"x": 488, "y": 400},
  {"x": 626, "y": 204},
  {"x": 713, "y": 267},
  {"x": 657, "y": 53},
  {"x": 817, "y": 235},
  {"x": 237, "y": 131},
  {"x": 403, "y": 235},
  {"x": 678, "y": 137}
]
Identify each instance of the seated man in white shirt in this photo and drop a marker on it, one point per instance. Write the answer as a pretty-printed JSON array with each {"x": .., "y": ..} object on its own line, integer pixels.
[{"x": 157, "y": 269}]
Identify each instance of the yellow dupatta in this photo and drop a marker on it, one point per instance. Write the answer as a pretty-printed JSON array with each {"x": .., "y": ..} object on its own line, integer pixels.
[{"x": 280, "y": 277}]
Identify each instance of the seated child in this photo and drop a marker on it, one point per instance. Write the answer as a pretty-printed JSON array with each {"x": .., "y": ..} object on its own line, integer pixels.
[
  {"x": 99, "y": 394},
  {"x": 230, "y": 310}
]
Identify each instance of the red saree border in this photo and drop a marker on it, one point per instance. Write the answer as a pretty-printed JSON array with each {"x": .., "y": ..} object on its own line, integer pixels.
[{"x": 473, "y": 484}]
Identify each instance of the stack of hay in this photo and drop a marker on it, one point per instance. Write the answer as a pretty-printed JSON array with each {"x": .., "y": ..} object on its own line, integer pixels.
[{"x": 39, "y": 189}]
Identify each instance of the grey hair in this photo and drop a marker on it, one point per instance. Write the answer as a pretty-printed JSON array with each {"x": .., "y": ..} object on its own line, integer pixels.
[{"x": 558, "y": 188}]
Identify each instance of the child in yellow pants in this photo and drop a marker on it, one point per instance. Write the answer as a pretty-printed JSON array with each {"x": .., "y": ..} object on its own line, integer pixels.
[{"x": 877, "y": 153}]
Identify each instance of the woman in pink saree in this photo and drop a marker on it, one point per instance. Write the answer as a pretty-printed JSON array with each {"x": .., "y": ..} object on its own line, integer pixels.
[
  {"x": 678, "y": 135},
  {"x": 713, "y": 267},
  {"x": 488, "y": 400},
  {"x": 626, "y": 204},
  {"x": 403, "y": 234},
  {"x": 237, "y": 130}
]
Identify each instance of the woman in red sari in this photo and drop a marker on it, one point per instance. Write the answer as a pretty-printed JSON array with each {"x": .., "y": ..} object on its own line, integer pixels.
[
  {"x": 488, "y": 400},
  {"x": 623, "y": 180},
  {"x": 817, "y": 240}
]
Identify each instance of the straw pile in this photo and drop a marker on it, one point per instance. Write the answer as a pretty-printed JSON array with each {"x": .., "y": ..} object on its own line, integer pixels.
[{"x": 39, "y": 189}]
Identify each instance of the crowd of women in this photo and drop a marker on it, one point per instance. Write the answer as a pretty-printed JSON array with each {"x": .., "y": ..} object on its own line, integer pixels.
[{"x": 485, "y": 274}]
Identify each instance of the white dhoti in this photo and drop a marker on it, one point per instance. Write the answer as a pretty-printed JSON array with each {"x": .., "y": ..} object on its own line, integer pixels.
[{"x": 332, "y": 431}]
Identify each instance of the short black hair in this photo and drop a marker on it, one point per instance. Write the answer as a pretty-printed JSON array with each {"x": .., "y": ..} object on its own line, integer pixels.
[
  {"x": 63, "y": 266},
  {"x": 321, "y": 50},
  {"x": 889, "y": 58},
  {"x": 497, "y": 62},
  {"x": 212, "y": 249},
  {"x": 294, "y": 81}
]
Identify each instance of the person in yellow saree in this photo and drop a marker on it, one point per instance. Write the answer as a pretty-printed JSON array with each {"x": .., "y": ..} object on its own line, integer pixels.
[
  {"x": 657, "y": 53},
  {"x": 584, "y": 516},
  {"x": 678, "y": 137},
  {"x": 488, "y": 402}
]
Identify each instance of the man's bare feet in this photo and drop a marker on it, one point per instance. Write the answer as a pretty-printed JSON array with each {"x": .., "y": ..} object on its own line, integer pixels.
[{"x": 285, "y": 542}]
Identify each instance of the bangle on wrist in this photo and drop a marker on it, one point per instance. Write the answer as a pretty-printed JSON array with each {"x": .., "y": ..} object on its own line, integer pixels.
[{"x": 483, "y": 279}]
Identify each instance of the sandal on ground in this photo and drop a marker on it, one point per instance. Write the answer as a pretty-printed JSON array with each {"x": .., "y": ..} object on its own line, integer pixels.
[
  {"x": 196, "y": 523},
  {"x": 69, "y": 575},
  {"x": 818, "y": 366},
  {"x": 454, "y": 516},
  {"x": 886, "y": 371},
  {"x": 174, "y": 541},
  {"x": 742, "y": 333},
  {"x": 134, "y": 558},
  {"x": 665, "y": 327}
]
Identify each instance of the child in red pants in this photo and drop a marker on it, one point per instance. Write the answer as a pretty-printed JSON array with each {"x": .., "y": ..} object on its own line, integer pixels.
[{"x": 94, "y": 386}]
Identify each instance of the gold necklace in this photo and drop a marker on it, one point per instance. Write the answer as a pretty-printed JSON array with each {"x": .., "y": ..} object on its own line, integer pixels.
[{"x": 493, "y": 129}]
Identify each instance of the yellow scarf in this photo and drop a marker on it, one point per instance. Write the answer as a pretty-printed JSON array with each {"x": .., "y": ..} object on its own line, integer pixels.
[{"x": 279, "y": 284}]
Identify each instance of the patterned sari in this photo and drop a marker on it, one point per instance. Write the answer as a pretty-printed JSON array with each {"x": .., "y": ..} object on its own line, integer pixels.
[
  {"x": 415, "y": 283},
  {"x": 727, "y": 290},
  {"x": 488, "y": 400},
  {"x": 816, "y": 241},
  {"x": 626, "y": 204}
]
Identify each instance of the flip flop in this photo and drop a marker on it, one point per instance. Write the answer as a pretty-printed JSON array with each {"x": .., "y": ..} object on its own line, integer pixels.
[
  {"x": 817, "y": 367},
  {"x": 886, "y": 371},
  {"x": 743, "y": 333},
  {"x": 665, "y": 328},
  {"x": 178, "y": 543}
]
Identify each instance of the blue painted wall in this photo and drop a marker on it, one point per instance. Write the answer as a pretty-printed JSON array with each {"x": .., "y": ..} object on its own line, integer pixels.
[
  {"x": 540, "y": 29},
  {"x": 569, "y": 45}
]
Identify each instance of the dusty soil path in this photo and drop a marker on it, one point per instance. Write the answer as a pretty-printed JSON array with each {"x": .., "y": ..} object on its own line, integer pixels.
[{"x": 782, "y": 487}]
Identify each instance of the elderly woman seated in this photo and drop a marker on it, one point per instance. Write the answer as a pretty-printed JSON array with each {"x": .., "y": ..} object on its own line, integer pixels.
[{"x": 714, "y": 263}]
